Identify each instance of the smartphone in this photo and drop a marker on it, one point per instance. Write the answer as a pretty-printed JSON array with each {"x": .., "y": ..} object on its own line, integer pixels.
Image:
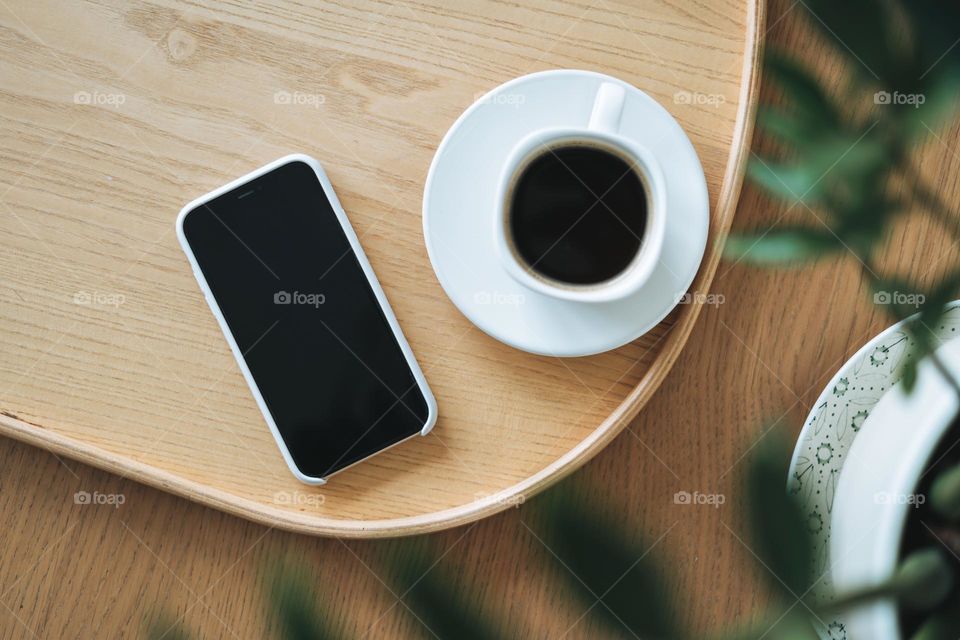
[{"x": 306, "y": 318}]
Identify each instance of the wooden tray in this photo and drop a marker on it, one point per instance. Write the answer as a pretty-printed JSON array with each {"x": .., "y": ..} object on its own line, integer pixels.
[{"x": 116, "y": 115}]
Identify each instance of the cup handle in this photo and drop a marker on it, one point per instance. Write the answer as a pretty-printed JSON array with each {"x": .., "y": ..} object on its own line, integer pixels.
[{"x": 607, "y": 107}]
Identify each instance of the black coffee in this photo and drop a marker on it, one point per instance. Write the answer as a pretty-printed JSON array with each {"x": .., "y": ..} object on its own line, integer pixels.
[{"x": 578, "y": 214}]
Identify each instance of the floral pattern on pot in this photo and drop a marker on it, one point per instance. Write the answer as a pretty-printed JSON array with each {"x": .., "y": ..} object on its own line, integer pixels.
[{"x": 829, "y": 431}]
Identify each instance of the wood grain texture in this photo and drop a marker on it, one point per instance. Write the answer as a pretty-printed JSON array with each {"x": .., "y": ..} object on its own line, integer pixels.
[
  {"x": 760, "y": 358},
  {"x": 116, "y": 114}
]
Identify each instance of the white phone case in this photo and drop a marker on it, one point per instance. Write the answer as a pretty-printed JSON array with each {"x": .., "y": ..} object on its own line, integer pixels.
[{"x": 371, "y": 278}]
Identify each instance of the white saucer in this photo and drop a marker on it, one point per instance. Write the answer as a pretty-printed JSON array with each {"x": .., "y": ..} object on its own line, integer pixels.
[
  {"x": 829, "y": 432},
  {"x": 458, "y": 203}
]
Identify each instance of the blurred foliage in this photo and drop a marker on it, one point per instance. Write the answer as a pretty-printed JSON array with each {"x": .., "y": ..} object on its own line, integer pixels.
[
  {"x": 840, "y": 157},
  {"x": 607, "y": 567},
  {"x": 427, "y": 592},
  {"x": 610, "y": 572},
  {"x": 844, "y": 157},
  {"x": 294, "y": 605},
  {"x": 780, "y": 533},
  {"x": 945, "y": 494},
  {"x": 163, "y": 626}
]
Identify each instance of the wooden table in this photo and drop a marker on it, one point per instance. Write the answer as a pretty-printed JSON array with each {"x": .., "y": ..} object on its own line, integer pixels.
[
  {"x": 112, "y": 356},
  {"x": 70, "y": 570}
]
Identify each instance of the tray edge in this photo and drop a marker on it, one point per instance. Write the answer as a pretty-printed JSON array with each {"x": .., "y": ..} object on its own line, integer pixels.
[{"x": 673, "y": 342}]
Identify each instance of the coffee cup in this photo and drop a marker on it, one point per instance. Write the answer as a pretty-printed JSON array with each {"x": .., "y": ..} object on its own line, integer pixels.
[{"x": 580, "y": 211}]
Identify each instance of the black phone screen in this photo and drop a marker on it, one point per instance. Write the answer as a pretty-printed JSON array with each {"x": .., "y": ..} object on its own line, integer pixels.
[{"x": 306, "y": 320}]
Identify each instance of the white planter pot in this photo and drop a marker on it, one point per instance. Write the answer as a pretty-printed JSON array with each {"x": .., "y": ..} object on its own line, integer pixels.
[{"x": 875, "y": 491}]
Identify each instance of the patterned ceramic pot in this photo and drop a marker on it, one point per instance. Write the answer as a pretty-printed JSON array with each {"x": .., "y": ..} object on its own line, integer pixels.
[{"x": 877, "y": 489}]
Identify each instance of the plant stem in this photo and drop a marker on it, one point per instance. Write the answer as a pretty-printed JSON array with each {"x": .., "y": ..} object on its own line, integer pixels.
[
  {"x": 861, "y": 596},
  {"x": 945, "y": 372},
  {"x": 922, "y": 581}
]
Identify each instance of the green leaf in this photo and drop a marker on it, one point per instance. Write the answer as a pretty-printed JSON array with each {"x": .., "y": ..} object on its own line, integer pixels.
[
  {"x": 859, "y": 30},
  {"x": 945, "y": 494},
  {"x": 781, "y": 535},
  {"x": 939, "y": 101},
  {"x": 429, "y": 592},
  {"x": 781, "y": 246},
  {"x": 794, "y": 626},
  {"x": 922, "y": 81},
  {"x": 851, "y": 162},
  {"x": 924, "y": 579},
  {"x": 606, "y": 563},
  {"x": 163, "y": 627},
  {"x": 803, "y": 92},
  {"x": 939, "y": 24},
  {"x": 862, "y": 219},
  {"x": 793, "y": 183},
  {"x": 941, "y": 625},
  {"x": 859, "y": 156},
  {"x": 923, "y": 347},
  {"x": 943, "y": 293},
  {"x": 789, "y": 622},
  {"x": 784, "y": 126},
  {"x": 909, "y": 379},
  {"x": 293, "y": 603}
]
